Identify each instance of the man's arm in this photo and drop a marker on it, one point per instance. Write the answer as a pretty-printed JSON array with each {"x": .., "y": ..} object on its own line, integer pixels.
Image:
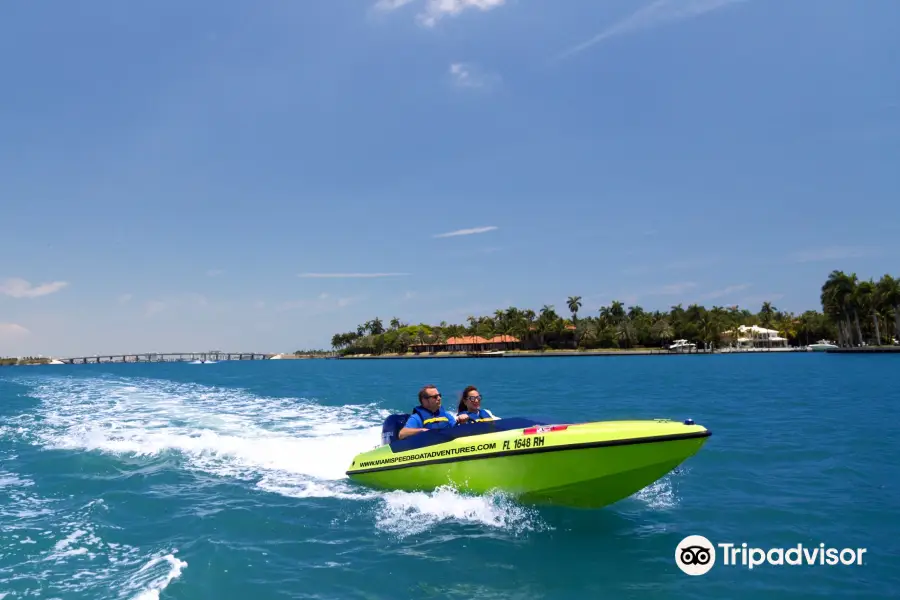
[
  {"x": 408, "y": 431},
  {"x": 413, "y": 426}
]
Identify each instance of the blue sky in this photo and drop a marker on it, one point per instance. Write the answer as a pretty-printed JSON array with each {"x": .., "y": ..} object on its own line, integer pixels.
[{"x": 183, "y": 176}]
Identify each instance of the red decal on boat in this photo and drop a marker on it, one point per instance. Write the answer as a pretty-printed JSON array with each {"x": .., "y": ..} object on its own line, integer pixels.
[{"x": 544, "y": 429}]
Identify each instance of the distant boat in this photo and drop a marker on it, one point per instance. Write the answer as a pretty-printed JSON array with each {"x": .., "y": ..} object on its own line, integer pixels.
[
  {"x": 682, "y": 346},
  {"x": 821, "y": 346},
  {"x": 487, "y": 354}
]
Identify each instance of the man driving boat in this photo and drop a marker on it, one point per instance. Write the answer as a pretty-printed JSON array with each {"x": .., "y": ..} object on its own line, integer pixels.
[{"x": 429, "y": 414}]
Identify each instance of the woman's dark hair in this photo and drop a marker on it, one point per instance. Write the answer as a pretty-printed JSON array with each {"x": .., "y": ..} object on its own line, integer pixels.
[{"x": 462, "y": 399}]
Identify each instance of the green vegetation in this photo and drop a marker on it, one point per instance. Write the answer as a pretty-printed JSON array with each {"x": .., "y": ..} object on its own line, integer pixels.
[
  {"x": 313, "y": 352},
  {"x": 25, "y": 360},
  {"x": 853, "y": 312}
]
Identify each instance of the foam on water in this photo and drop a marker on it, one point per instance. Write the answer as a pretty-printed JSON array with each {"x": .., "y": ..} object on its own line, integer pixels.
[
  {"x": 294, "y": 447},
  {"x": 50, "y": 547},
  {"x": 405, "y": 514}
]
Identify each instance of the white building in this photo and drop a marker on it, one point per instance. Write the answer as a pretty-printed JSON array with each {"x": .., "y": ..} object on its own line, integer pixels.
[{"x": 753, "y": 336}]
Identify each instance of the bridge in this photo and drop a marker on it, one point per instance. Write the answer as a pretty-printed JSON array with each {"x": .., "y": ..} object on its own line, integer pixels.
[{"x": 164, "y": 357}]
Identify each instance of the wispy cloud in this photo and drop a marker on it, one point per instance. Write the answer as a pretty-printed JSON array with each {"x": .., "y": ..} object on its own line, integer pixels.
[
  {"x": 731, "y": 289},
  {"x": 215, "y": 272},
  {"x": 465, "y": 75},
  {"x": 435, "y": 10},
  {"x": 20, "y": 288},
  {"x": 349, "y": 275},
  {"x": 471, "y": 231},
  {"x": 831, "y": 253},
  {"x": 12, "y": 330},
  {"x": 391, "y": 4},
  {"x": 321, "y": 304},
  {"x": 654, "y": 14}
]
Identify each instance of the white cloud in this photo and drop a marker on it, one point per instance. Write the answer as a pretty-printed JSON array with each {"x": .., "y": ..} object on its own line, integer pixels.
[
  {"x": 471, "y": 231},
  {"x": 656, "y": 13},
  {"x": 12, "y": 330},
  {"x": 467, "y": 75},
  {"x": 391, "y": 4},
  {"x": 349, "y": 275},
  {"x": 462, "y": 75},
  {"x": 20, "y": 288},
  {"x": 435, "y": 10}
]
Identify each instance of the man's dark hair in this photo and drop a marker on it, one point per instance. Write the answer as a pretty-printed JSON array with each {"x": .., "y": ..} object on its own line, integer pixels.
[{"x": 423, "y": 392}]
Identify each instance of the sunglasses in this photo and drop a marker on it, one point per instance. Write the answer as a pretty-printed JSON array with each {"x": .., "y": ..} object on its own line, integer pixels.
[
  {"x": 433, "y": 396},
  {"x": 473, "y": 398}
]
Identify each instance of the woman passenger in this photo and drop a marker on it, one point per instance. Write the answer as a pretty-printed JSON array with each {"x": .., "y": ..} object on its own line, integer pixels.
[{"x": 470, "y": 405}]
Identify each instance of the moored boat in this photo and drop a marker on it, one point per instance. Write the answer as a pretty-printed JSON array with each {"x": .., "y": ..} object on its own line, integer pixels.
[
  {"x": 821, "y": 346},
  {"x": 583, "y": 465}
]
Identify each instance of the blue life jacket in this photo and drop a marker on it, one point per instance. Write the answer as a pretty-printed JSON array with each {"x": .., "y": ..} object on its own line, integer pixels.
[
  {"x": 477, "y": 416},
  {"x": 439, "y": 420}
]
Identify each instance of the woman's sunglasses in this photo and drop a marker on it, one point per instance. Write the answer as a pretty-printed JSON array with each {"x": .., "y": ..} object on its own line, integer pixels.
[{"x": 473, "y": 398}]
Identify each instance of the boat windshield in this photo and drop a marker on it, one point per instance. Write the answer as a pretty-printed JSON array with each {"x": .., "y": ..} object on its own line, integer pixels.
[{"x": 439, "y": 436}]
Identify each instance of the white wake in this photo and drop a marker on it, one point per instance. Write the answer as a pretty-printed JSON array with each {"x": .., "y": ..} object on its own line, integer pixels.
[{"x": 294, "y": 447}]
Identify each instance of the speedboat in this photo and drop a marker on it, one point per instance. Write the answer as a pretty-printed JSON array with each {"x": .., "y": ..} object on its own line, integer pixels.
[
  {"x": 821, "y": 346},
  {"x": 582, "y": 465}
]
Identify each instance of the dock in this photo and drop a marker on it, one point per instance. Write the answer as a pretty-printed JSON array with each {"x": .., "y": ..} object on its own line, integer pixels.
[{"x": 866, "y": 350}]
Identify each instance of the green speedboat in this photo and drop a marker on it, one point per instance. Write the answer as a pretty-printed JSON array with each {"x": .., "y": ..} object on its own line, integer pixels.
[{"x": 584, "y": 465}]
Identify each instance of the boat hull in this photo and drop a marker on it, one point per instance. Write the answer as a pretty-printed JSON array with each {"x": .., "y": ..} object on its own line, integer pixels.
[{"x": 589, "y": 465}]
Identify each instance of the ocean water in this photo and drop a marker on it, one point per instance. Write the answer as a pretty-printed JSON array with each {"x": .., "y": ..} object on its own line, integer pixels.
[{"x": 226, "y": 481}]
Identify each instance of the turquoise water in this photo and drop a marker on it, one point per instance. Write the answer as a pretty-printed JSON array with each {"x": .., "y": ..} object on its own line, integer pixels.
[{"x": 226, "y": 481}]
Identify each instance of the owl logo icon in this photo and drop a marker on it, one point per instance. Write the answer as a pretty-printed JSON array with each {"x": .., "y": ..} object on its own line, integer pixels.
[{"x": 695, "y": 555}]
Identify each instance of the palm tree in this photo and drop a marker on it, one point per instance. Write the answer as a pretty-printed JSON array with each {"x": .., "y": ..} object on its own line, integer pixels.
[
  {"x": 837, "y": 302},
  {"x": 889, "y": 298},
  {"x": 787, "y": 326},
  {"x": 376, "y": 327},
  {"x": 574, "y": 303},
  {"x": 865, "y": 299},
  {"x": 662, "y": 330},
  {"x": 766, "y": 313}
]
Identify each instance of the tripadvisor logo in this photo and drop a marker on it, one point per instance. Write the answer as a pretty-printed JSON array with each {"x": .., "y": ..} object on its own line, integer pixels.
[{"x": 696, "y": 555}]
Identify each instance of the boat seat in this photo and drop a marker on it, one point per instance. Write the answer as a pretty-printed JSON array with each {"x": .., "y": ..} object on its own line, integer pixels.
[
  {"x": 391, "y": 427},
  {"x": 439, "y": 436}
]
